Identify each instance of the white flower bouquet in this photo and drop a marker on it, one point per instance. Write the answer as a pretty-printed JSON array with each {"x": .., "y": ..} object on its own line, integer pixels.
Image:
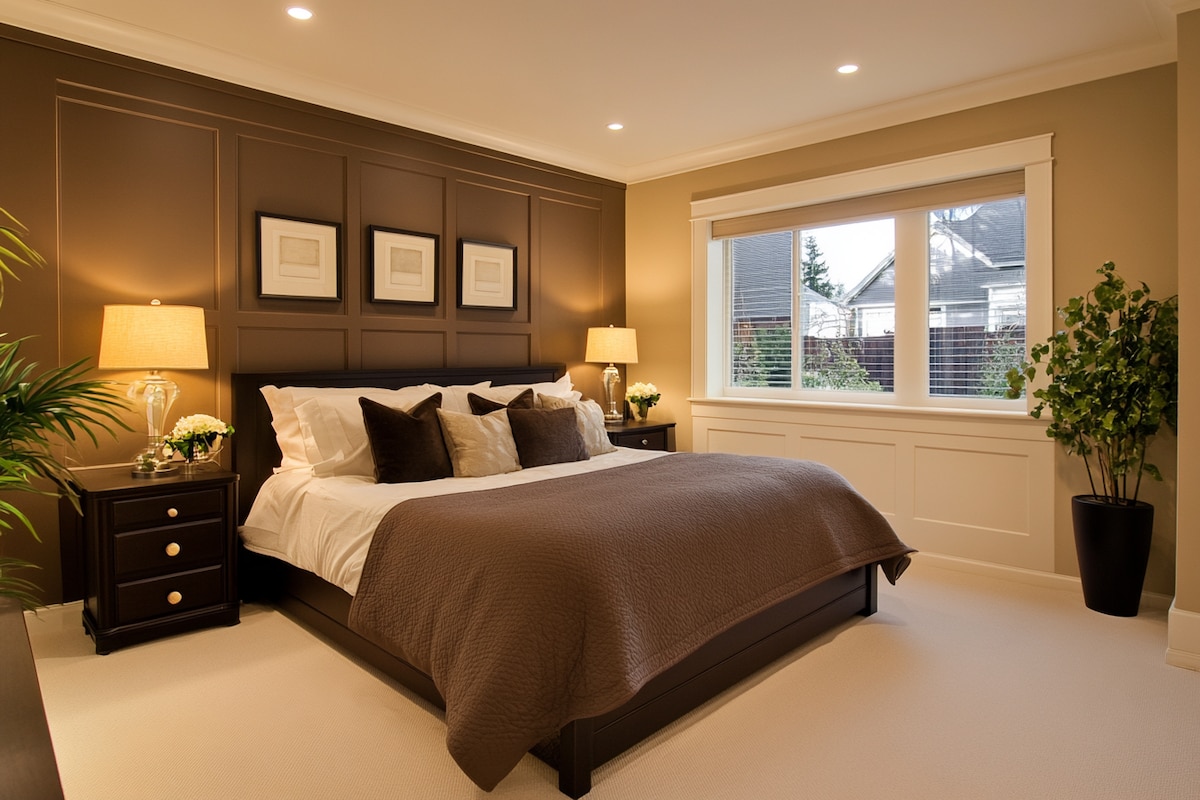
[
  {"x": 196, "y": 437},
  {"x": 644, "y": 396}
]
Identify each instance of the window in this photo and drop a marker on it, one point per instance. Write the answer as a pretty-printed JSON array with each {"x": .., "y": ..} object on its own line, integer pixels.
[
  {"x": 976, "y": 269},
  {"x": 834, "y": 345},
  {"x": 916, "y": 294}
]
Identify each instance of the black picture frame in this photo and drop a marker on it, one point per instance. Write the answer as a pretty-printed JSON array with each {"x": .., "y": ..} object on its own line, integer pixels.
[
  {"x": 487, "y": 275},
  {"x": 298, "y": 258},
  {"x": 403, "y": 266}
]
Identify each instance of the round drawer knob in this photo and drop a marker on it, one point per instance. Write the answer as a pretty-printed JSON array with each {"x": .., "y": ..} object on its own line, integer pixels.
[
  {"x": 172, "y": 512},
  {"x": 174, "y": 598},
  {"x": 173, "y": 549},
  {"x": 645, "y": 442}
]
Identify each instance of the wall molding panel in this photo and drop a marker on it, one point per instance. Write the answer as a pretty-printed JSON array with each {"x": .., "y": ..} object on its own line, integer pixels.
[
  {"x": 137, "y": 181},
  {"x": 976, "y": 487}
]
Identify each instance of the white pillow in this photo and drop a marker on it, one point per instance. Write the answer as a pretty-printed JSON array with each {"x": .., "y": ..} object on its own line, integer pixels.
[
  {"x": 335, "y": 437},
  {"x": 559, "y": 388},
  {"x": 479, "y": 445},
  {"x": 589, "y": 417},
  {"x": 287, "y": 427},
  {"x": 454, "y": 398},
  {"x": 282, "y": 401}
]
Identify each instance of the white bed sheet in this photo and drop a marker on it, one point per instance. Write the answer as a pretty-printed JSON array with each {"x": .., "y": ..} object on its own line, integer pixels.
[{"x": 325, "y": 525}]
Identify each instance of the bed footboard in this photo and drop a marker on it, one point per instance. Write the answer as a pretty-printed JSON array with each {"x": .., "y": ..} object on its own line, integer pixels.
[
  {"x": 586, "y": 744},
  {"x": 738, "y": 653}
]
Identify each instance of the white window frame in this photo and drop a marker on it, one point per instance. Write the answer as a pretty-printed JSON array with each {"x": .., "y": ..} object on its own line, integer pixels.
[{"x": 710, "y": 368}]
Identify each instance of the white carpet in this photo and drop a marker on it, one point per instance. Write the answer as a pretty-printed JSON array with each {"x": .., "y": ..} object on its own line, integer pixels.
[{"x": 960, "y": 687}]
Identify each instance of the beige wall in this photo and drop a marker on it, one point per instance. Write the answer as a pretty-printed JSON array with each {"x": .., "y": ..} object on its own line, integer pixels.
[
  {"x": 1115, "y": 199},
  {"x": 1187, "y": 598}
]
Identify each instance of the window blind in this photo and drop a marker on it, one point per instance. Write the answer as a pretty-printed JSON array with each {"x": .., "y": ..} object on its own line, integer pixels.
[{"x": 918, "y": 198}]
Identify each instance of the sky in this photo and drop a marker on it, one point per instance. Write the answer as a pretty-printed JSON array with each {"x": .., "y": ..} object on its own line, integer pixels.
[{"x": 854, "y": 249}]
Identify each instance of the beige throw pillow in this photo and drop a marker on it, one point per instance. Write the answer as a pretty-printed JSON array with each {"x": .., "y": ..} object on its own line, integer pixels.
[
  {"x": 590, "y": 419},
  {"x": 479, "y": 445}
]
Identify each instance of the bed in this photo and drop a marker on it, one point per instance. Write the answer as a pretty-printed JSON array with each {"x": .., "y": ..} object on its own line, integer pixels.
[{"x": 610, "y": 676}]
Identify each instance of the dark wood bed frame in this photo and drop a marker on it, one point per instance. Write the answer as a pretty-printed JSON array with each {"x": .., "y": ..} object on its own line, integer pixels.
[{"x": 584, "y": 744}]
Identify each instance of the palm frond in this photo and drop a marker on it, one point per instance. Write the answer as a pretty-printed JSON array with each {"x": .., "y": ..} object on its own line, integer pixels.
[
  {"x": 36, "y": 410},
  {"x": 13, "y": 250},
  {"x": 19, "y": 589}
]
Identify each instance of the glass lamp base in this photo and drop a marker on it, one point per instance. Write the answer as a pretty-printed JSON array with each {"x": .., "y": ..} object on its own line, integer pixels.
[{"x": 611, "y": 377}]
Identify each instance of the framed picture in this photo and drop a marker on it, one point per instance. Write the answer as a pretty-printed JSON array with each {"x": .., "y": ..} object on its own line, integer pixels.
[
  {"x": 487, "y": 275},
  {"x": 404, "y": 266},
  {"x": 299, "y": 258}
]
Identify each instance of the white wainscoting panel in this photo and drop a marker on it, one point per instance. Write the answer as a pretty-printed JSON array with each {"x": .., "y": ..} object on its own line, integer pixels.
[
  {"x": 973, "y": 486},
  {"x": 870, "y": 466}
]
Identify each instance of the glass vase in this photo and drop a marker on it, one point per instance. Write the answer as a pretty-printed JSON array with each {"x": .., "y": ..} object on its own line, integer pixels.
[{"x": 202, "y": 455}]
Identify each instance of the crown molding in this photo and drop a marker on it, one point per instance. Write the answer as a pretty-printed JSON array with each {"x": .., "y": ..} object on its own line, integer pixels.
[{"x": 101, "y": 32}]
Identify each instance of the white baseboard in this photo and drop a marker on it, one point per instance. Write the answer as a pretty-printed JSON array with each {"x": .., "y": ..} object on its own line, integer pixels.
[
  {"x": 1183, "y": 638},
  {"x": 1030, "y": 577}
]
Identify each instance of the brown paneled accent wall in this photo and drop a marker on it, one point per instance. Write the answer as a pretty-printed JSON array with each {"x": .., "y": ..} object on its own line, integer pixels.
[{"x": 141, "y": 182}]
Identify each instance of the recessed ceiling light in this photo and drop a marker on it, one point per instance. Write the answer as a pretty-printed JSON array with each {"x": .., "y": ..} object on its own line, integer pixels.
[
  {"x": 299, "y": 12},
  {"x": 615, "y": 126},
  {"x": 848, "y": 69}
]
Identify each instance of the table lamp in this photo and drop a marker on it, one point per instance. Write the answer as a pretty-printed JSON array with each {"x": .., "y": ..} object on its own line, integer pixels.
[
  {"x": 153, "y": 337},
  {"x": 611, "y": 345}
]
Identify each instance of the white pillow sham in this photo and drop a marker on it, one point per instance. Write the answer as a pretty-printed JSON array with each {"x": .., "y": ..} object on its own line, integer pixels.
[
  {"x": 559, "y": 388},
  {"x": 335, "y": 437},
  {"x": 283, "y": 401},
  {"x": 321, "y": 428},
  {"x": 454, "y": 398}
]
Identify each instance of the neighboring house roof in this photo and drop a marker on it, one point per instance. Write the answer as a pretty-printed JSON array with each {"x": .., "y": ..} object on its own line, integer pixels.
[{"x": 985, "y": 249}]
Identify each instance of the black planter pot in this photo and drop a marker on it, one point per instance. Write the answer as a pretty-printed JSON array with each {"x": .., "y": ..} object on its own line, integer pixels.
[{"x": 1113, "y": 545}]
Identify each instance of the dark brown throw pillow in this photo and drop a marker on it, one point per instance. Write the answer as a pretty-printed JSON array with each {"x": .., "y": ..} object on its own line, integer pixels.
[
  {"x": 546, "y": 436},
  {"x": 482, "y": 405},
  {"x": 407, "y": 445}
]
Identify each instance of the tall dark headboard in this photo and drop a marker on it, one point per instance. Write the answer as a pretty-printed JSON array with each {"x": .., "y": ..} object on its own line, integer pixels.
[{"x": 254, "y": 449}]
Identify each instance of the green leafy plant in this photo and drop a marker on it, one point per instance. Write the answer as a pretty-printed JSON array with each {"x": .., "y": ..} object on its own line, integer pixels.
[
  {"x": 1114, "y": 381},
  {"x": 13, "y": 249},
  {"x": 835, "y": 367},
  {"x": 38, "y": 410}
]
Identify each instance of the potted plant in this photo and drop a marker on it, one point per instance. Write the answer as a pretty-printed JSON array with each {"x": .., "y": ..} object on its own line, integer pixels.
[
  {"x": 1114, "y": 381},
  {"x": 643, "y": 396},
  {"x": 37, "y": 410}
]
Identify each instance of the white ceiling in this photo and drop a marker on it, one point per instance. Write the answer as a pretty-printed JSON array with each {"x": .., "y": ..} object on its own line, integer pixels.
[{"x": 695, "y": 83}]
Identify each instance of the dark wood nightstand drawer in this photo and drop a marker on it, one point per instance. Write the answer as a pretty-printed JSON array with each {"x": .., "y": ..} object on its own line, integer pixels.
[
  {"x": 165, "y": 509},
  {"x": 640, "y": 440},
  {"x": 157, "y": 555},
  {"x": 172, "y": 548},
  {"x": 171, "y": 594}
]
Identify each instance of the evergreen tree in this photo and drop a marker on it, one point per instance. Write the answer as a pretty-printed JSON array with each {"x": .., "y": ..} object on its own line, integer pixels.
[{"x": 815, "y": 272}]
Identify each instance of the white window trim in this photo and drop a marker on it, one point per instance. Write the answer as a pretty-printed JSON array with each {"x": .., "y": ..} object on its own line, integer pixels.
[{"x": 709, "y": 315}]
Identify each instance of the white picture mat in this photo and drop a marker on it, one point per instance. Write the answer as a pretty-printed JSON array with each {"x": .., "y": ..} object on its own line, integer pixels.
[
  {"x": 487, "y": 276},
  {"x": 298, "y": 258},
  {"x": 405, "y": 267}
]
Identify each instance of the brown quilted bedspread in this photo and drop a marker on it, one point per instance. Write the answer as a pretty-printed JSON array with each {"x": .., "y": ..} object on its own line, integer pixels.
[{"x": 534, "y": 605}]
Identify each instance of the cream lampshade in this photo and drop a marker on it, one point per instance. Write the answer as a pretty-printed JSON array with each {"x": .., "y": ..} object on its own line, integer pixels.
[
  {"x": 153, "y": 337},
  {"x": 614, "y": 346}
]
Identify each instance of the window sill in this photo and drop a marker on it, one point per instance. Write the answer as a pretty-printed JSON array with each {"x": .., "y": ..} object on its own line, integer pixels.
[{"x": 872, "y": 409}]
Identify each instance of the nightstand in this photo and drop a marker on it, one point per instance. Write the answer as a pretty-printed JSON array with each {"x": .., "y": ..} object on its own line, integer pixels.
[
  {"x": 158, "y": 554},
  {"x": 642, "y": 435}
]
